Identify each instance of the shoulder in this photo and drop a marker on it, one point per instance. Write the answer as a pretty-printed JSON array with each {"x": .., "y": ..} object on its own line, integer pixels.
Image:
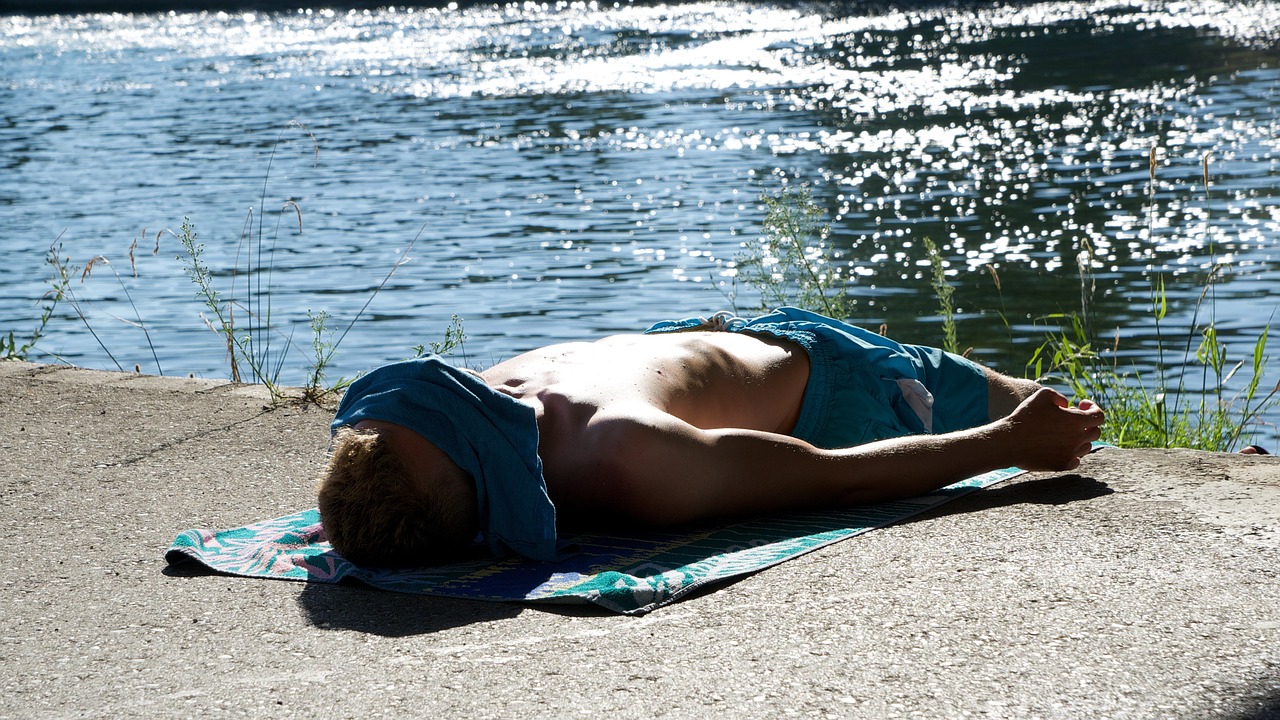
[
  {"x": 607, "y": 466},
  {"x": 622, "y": 435}
]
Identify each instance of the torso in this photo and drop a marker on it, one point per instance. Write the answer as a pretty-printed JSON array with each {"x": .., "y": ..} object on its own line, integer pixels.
[{"x": 707, "y": 379}]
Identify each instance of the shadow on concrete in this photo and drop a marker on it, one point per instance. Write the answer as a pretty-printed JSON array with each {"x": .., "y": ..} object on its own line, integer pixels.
[
  {"x": 1055, "y": 490},
  {"x": 355, "y": 606},
  {"x": 352, "y": 605},
  {"x": 390, "y": 614},
  {"x": 1268, "y": 707},
  {"x": 188, "y": 569}
]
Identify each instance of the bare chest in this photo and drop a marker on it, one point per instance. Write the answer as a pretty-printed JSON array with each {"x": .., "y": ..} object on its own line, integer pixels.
[{"x": 710, "y": 380}]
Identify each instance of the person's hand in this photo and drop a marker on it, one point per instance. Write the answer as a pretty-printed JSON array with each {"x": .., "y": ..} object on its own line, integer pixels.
[{"x": 1046, "y": 433}]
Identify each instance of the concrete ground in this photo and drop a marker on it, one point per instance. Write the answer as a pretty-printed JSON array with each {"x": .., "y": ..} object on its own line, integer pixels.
[{"x": 1144, "y": 585}]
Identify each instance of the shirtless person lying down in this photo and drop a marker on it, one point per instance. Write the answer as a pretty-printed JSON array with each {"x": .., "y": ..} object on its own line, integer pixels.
[{"x": 694, "y": 419}]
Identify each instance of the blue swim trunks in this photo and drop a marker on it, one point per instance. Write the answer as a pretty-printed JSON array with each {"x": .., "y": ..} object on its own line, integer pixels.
[{"x": 863, "y": 386}]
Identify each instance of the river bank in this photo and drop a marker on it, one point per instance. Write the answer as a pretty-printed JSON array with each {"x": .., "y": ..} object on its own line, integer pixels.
[{"x": 1143, "y": 585}]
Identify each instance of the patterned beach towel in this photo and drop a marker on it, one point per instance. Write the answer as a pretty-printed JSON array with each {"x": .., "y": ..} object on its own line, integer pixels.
[{"x": 631, "y": 574}]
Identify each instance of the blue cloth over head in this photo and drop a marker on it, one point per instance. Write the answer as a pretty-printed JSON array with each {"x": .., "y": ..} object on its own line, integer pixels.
[{"x": 492, "y": 436}]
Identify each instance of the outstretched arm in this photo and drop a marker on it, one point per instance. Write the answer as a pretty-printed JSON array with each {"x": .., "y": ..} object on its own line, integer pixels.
[{"x": 659, "y": 469}]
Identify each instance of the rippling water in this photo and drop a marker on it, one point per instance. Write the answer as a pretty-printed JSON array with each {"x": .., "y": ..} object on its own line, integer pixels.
[{"x": 577, "y": 169}]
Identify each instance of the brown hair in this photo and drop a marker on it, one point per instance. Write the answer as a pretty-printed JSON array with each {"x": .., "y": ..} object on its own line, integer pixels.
[{"x": 375, "y": 512}]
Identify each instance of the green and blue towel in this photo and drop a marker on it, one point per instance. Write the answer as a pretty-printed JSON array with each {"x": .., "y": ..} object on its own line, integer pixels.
[{"x": 630, "y": 573}]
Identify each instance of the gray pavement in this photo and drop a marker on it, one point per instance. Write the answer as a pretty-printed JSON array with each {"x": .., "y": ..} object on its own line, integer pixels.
[{"x": 1144, "y": 585}]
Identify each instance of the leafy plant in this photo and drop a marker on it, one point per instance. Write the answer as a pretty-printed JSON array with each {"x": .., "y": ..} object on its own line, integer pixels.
[
  {"x": 793, "y": 264},
  {"x": 321, "y": 353},
  {"x": 1144, "y": 410},
  {"x": 454, "y": 338},
  {"x": 944, "y": 291}
]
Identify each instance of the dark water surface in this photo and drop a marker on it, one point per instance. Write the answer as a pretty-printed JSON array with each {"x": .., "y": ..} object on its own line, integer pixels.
[{"x": 579, "y": 169}]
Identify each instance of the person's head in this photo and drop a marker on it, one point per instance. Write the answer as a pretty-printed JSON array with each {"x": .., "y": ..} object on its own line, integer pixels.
[
  {"x": 434, "y": 413},
  {"x": 389, "y": 498}
]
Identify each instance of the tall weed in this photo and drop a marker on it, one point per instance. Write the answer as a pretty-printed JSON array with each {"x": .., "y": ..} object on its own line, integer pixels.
[
  {"x": 1155, "y": 408},
  {"x": 62, "y": 290},
  {"x": 946, "y": 303},
  {"x": 793, "y": 265},
  {"x": 59, "y": 287},
  {"x": 256, "y": 346}
]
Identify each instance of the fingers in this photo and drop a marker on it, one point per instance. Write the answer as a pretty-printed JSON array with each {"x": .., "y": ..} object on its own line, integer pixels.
[
  {"x": 1080, "y": 453},
  {"x": 1058, "y": 398},
  {"x": 1090, "y": 410},
  {"x": 1070, "y": 459},
  {"x": 1080, "y": 434}
]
